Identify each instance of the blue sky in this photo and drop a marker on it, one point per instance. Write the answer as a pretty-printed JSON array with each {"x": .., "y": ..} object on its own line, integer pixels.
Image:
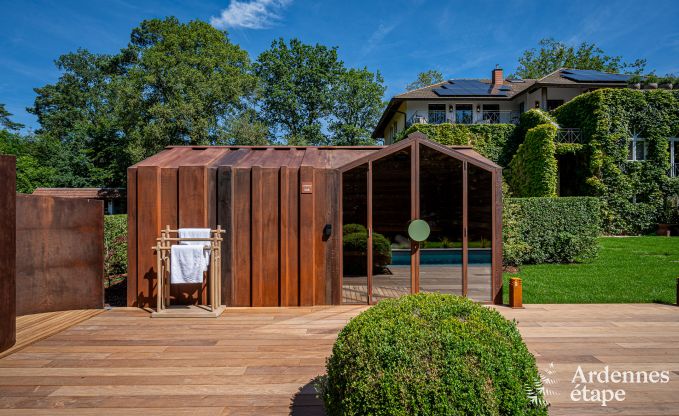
[{"x": 398, "y": 38}]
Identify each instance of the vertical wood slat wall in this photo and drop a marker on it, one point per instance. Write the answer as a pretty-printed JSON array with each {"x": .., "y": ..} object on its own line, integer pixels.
[{"x": 273, "y": 252}]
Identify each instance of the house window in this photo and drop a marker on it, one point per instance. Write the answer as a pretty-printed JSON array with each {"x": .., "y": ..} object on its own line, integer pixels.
[
  {"x": 636, "y": 149},
  {"x": 522, "y": 107},
  {"x": 491, "y": 113},
  {"x": 393, "y": 131},
  {"x": 674, "y": 157},
  {"x": 437, "y": 113},
  {"x": 464, "y": 114},
  {"x": 552, "y": 104}
]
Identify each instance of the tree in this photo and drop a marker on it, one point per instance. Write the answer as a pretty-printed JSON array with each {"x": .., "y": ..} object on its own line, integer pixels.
[
  {"x": 425, "y": 78},
  {"x": 5, "y": 121},
  {"x": 296, "y": 88},
  {"x": 552, "y": 55},
  {"x": 358, "y": 107},
  {"x": 246, "y": 129},
  {"x": 180, "y": 83}
]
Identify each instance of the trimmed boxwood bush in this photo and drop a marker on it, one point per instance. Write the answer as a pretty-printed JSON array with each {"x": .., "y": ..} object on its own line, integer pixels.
[
  {"x": 532, "y": 171},
  {"x": 431, "y": 354},
  {"x": 487, "y": 139},
  {"x": 550, "y": 230},
  {"x": 355, "y": 246},
  {"x": 115, "y": 245}
]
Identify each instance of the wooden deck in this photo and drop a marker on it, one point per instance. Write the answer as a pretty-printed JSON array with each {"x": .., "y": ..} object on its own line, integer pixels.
[{"x": 262, "y": 361}]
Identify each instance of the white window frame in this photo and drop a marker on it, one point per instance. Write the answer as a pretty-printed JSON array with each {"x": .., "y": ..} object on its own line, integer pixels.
[
  {"x": 445, "y": 110},
  {"x": 473, "y": 112},
  {"x": 635, "y": 140},
  {"x": 674, "y": 170}
]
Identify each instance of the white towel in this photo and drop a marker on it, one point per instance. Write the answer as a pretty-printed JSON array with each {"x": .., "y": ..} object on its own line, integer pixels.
[
  {"x": 187, "y": 264},
  {"x": 197, "y": 233}
]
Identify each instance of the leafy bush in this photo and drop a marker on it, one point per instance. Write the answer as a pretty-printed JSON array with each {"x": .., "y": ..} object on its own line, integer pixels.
[
  {"x": 487, "y": 139},
  {"x": 431, "y": 354},
  {"x": 528, "y": 120},
  {"x": 533, "y": 170},
  {"x": 355, "y": 247},
  {"x": 550, "y": 230},
  {"x": 115, "y": 245},
  {"x": 634, "y": 195}
]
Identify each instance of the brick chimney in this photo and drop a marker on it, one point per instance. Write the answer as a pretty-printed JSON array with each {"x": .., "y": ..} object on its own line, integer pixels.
[{"x": 497, "y": 77}]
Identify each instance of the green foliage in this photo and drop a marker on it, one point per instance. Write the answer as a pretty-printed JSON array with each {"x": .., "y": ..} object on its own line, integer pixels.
[
  {"x": 635, "y": 195},
  {"x": 424, "y": 79},
  {"x": 533, "y": 170},
  {"x": 355, "y": 246},
  {"x": 296, "y": 91},
  {"x": 115, "y": 245},
  {"x": 528, "y": 120},
  {"x": 245, "y": 129},
  {"x": 430, "y": 354},
  {"x": 487, "y": 139},
  {"x": 553, "y": 54},
  {"x": 31, "y": 171},
  {"x": 5, "y": 120},
  {"x": 358, "y": 107},
  {"x": 550, "y": 230}
]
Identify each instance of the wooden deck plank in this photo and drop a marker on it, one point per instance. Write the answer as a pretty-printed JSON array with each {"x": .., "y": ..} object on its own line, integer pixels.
[{"x": 263, "y": 360}]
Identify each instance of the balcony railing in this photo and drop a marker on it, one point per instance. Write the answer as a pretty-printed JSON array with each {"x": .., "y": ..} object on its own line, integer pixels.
[
  {"x": 437, "y": 117},
  {"x": 497, "y": 117},
  {"x": 674, "y": 170},
  {"x": 569, "y": 136}
]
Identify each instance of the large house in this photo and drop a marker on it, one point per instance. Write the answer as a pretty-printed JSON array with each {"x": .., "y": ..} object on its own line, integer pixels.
[{"x": 494, "y": 100}]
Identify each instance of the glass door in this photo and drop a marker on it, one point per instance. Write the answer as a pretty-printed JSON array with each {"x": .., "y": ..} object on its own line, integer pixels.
[
  {"x": 355, "y": 235},
  {"x": 391, "y": 214}
]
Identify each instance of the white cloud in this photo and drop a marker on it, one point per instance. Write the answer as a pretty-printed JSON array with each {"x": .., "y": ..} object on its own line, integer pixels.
[
  {"x": 377, "y": 37},
  {"x": 255, "y": 14}
]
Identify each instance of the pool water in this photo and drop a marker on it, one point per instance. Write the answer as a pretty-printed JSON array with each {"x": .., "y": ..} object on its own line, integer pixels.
[{"x": 442, "y": 256}]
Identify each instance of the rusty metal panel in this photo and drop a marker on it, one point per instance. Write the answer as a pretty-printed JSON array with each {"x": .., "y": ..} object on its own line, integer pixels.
[
  {"x": 7, "y": 252},
  {"x": 59, "y": 254}
]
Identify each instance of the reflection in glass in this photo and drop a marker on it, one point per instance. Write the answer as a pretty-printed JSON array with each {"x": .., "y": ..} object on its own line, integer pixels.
[
  {"x": 355, "y": 235},
  {"x": 479, "y": 232},
  {"x": 441, "y": 207},
  {"x": 390, "y": 216}
]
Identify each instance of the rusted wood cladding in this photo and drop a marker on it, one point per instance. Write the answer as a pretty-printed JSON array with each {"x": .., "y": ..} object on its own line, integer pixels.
[
  {"x": 274, "y": 203},
  {"x": 60, "y": 254},
  {"x": 7, "y": 252}
]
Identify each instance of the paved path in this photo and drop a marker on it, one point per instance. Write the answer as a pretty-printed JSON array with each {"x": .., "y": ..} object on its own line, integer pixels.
[{"x": 262, "y": 361}]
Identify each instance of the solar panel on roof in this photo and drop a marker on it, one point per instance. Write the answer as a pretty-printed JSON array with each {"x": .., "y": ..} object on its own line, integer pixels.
[
  {"x": 466, "y": 87},
  {"x": 505, "y": 88},
  {"x": 589, "y": 75}
]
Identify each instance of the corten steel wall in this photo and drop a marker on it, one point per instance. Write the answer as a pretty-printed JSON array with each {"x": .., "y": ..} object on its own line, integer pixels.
[
  {"x": 273, "y": 202},
  {"x": 60, "y": 254},
  {"x": 7, "y": 252}
]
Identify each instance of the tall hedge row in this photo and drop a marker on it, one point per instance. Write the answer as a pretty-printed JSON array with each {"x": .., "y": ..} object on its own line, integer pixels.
[
  {"x": 635, "y": 194},
  {"x": 533, "y": 170},
  {"x": 550, "y": 230},
  {"x": 115, "y": 245},
  {"x": 487, "y": 139}
]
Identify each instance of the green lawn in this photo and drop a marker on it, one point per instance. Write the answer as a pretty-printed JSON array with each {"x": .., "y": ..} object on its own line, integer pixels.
[{"x": 627, "y": 270}]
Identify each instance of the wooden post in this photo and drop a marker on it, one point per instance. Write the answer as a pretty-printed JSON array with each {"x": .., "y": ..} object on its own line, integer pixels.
[{"x": 515, "y": 293}]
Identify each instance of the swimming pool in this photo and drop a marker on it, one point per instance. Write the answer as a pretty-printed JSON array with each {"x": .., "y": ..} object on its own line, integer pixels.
[{"x": 434, "y": 256}]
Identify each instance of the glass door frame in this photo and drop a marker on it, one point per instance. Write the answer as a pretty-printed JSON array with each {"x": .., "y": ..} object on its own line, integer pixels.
[{"x": 414, "y": 141}]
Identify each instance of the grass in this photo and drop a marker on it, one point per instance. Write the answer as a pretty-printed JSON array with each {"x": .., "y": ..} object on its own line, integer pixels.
[{"x": 627, "y": 270}]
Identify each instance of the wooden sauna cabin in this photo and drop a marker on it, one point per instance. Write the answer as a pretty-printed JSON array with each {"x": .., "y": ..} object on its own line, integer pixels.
[{"x": 322, "y": 225}]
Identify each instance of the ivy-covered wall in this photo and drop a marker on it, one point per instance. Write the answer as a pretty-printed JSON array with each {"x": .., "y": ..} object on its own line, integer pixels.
[
  {"x": 487, "y": 139},
  {"x": 532, "y": 171},
  {"x": 635, "y": 194}
]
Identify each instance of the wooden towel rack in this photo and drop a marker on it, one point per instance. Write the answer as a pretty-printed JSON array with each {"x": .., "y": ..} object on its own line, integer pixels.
[{"x": 163, "y": 248}]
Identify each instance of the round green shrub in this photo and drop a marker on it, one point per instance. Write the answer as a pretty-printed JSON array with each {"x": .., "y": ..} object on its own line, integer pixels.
[
  {"x": 431, "y": 354},
  {"x": 355, "y": 246}
]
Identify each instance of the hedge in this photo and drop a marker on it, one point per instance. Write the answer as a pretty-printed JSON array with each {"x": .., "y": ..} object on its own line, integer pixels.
[
  {"x": 635, "y": 195},
  {"x": 528, "y": 120},
  {"x": 431, "y": 354},
  {"x": 533, "y": 170},
  {"x": 550, "y": 230},
  {"x": 115, "y": 245},
  {"x": 487, "y": 139}
]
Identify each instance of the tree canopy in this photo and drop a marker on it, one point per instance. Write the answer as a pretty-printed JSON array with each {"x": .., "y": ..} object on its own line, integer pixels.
[
  {"x": 552, "y": 55},
  {"x": 425, "y": 78}
]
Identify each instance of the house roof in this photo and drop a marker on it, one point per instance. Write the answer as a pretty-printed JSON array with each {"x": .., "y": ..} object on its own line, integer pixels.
[
  {"x": 562, "y": 77},
  {"x": 321, "y": 157},
  {"x": 82, "y": 193}
]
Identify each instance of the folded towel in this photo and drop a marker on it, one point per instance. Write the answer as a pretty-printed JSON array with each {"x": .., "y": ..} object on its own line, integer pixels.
[
  {"x": 197, "y": 233},
  {"x": 187, "y": 264}
]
